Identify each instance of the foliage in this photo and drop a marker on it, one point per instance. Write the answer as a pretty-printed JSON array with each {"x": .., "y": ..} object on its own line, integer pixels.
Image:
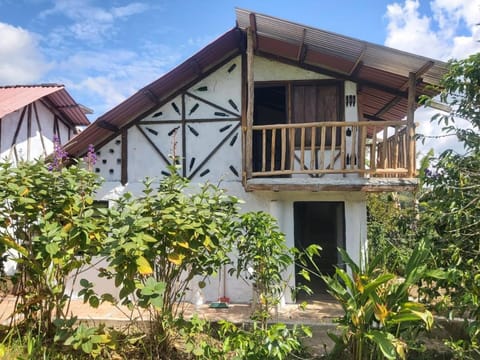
[
  {"x": 229, "y": 341},
  {"x": 160, "y": 242},
  {"x": 392, "y": 225},
  {"x": 263, "y": 258},
  {"x": 380, "y": 321},
  {"x": 275, "y": 342},
  {"x": 49, "y": 220},
  {"x": 451, "y": 203}
]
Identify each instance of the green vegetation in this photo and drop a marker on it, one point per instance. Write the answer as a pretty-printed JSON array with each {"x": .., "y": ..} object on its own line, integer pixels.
[{"x": 165, "y": 242}]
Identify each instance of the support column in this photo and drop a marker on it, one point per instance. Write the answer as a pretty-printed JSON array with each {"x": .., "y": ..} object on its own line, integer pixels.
[
  {"x": 411, "y": 156},
  {"x": 250, "y": 94}
]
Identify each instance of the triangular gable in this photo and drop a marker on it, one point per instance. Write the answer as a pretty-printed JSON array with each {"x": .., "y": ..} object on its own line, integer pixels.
[{"x": 16, "y": 97}]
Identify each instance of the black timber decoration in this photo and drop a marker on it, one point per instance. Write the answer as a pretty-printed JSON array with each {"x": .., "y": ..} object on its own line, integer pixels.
[{"x": 185, "y": 104}]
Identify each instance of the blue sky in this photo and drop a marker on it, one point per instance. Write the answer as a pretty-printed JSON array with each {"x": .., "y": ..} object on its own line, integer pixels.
[{"x": 104, "y": 51}]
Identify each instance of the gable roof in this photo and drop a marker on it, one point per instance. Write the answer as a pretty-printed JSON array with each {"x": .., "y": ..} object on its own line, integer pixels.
[
  {"x": 17, "y": 96},
  {"x": 381, "y": 73}
]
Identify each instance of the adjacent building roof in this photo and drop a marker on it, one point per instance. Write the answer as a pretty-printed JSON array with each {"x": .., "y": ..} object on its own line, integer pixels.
[
  {"x": 16, "y": 97},
  {"x": 381, "y": 73}
]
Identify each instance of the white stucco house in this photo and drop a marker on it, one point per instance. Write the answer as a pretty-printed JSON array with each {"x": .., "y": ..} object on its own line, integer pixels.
[
  {"x": 296, "y": 121},
  {"x": 31, "y": 116}
]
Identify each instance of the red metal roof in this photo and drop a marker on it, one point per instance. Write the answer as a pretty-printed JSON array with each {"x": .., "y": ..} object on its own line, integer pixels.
[
  {"x": 381, "y": 73},
  {"x": 16, "y": 97}
]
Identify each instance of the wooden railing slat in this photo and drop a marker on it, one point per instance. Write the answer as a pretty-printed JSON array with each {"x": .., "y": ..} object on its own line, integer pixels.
[{"x": 388, "y": 156}]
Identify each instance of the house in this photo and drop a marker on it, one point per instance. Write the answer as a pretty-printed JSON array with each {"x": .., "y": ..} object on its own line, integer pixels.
[
  {"x": 31, "y": 116},
  {"x": 297, "y": 121}
]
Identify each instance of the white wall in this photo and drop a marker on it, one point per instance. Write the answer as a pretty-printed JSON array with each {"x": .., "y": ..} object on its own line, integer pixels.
[
  {"x": 223, "y": 85},
  {"x": 34, "y": 148}
]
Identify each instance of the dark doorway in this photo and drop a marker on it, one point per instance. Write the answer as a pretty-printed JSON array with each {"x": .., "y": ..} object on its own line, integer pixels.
[
  {"x": 270, "y": 108},
  {"x": 320, "y": 223}
]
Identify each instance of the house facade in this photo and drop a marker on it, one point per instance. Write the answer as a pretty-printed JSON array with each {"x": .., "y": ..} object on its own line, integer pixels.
[
  {"x": 296, "y": 121},
  {"x": 31, "y": 116}
]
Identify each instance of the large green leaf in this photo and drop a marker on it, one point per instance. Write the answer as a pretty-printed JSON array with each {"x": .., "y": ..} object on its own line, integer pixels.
[{"x": 385, "y": 342}]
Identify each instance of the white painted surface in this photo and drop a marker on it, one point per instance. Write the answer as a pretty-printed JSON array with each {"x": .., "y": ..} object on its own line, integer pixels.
[
  {"x": 33, "y": 150},
  {"x": 144, "y": 160},
  {"x": 268, "y": 70}
]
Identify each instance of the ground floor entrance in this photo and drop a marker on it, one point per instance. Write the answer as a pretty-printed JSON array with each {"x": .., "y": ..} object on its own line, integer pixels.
[{"x": 321, "y": 223}]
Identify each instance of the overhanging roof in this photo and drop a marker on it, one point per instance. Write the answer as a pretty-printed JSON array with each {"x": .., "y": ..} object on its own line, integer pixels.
[
  {"x": 381, "y": 73},
  {"x": 16, "y": 97}
]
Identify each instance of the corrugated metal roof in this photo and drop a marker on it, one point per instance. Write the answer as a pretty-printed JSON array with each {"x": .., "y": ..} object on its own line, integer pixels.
[
  {"x": 151, "y": 95},
  {"x": 15, "y": 97},
  {"x": 381, "y": 73},
  {"x": 371, "y": 55}
]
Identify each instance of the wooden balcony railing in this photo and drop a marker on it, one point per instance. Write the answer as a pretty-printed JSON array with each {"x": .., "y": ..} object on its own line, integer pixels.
[{"x": 366, "y": 148}]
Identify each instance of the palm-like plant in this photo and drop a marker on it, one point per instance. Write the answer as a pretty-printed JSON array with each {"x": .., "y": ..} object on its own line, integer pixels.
[{"x": 380, "y": 320}]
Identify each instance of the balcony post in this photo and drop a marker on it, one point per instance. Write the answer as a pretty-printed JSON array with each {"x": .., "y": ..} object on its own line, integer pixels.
[
  {"x": 411, "y": 163},
  {"x": 250, "y": 94}
]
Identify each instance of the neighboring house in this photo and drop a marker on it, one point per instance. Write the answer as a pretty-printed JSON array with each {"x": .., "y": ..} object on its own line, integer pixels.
[
  {"x": 298, "y": 122},
  {"x": 31, "y": 116}
]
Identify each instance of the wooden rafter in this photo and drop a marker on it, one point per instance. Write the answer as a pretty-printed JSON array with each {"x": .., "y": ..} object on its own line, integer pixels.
[
  {"x": 358, "y": 63},
  {"x": 302, "y": 49},
  {"x": 422, "y": 70},
  {"x": 106, "y": 125},
  {"x": 342, "y": 76}
]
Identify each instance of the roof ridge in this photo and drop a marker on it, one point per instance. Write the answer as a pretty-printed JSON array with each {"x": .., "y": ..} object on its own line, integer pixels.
[{"x": 31, "y": 85}]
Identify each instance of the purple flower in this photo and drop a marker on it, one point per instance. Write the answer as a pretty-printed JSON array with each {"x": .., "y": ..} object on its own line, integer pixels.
[
  {"x": 59, "y": 155},
  {"x": 91, "y": 158}
]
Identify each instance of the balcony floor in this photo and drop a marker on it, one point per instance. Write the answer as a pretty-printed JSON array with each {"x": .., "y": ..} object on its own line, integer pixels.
[{"x": 327, "y": 183}]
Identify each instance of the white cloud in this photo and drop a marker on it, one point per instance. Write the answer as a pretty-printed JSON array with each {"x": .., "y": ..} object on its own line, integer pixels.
[
  {"x": 106, "y": 78},
  {"x": 21, "y": 61},
  {"x": 90, "y": 22},
  {"x": 449, "y": 32}
]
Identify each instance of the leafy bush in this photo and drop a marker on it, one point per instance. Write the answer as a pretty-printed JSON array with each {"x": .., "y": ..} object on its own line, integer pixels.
[
  {"x": 380, "y": 321},
  {"x": 49, "y": 219},
  {"x": 162, "y": 241},
  {"x": 262, "y": 258}
]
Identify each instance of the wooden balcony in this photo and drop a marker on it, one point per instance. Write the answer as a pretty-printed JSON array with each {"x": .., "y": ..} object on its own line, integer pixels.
[{"x": 367, "y": 155}]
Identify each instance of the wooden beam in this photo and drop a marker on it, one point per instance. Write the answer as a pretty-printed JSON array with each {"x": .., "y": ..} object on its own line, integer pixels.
[
  {"x": 313, "y": 185},
  {"x": 244, "y": 119},
  {"x": 253, "y": 31},
  {"x": 150, "y": 95},
  {"x": 411, "y": 123},
  {"x": 106, "y": 125},
  {"x": 39, "y": 126},
  {"x": 29, "y": 131},
  {"x": 14, "y": 140},
  {"x": 423, "y": 69},
  {"x": 387, "y": 106},
  {"x": 124, "y": 168},
  {"x": 338, "y": 75},
  {"x": 250, "y": 95}
]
